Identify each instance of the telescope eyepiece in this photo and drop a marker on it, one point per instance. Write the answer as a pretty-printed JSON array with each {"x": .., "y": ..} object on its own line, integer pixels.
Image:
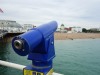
[{"x": 18, "y": 44}]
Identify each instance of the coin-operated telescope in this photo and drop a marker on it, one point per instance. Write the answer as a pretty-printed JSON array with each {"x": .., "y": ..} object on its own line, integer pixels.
[{"x": 38, "y": 44}]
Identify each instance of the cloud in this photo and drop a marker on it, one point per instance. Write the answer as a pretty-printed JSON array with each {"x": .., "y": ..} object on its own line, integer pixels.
[{"x": 84, "y": 13}]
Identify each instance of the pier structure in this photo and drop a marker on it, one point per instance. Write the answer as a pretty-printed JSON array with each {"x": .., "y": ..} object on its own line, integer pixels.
[
  {"x": 10, "y": 26},
  {"x": 2, "y": 33},
  {"x": 7, "y": 37},
  {"x": 8, "y": 29}
]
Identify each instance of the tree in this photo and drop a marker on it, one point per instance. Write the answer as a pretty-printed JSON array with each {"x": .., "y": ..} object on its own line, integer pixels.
[
  {"x": 84, "y": 30},
  {"x": 62, "y": 24}
]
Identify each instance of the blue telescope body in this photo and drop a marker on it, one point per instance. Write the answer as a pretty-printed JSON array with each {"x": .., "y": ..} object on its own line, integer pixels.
[{"x": 38, "y": 44}]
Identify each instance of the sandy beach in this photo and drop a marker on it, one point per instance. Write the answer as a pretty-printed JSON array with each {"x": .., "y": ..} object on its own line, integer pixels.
[{"x": 64, "y": 36}]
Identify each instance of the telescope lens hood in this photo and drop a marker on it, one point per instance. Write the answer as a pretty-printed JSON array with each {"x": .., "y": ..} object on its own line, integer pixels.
[{"x": 18, "y": 44}]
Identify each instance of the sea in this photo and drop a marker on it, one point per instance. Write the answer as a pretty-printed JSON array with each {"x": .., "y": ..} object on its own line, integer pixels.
[{"x": 73, "y": 57}]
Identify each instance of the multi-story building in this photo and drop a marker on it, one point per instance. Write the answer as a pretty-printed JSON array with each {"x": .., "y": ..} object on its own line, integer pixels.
[
  {"x": 27, "y": 27},
  {"x": 62, "y": 28},
  {"x": 76, "y": 29},
  {"x": 10, "y": 26}
]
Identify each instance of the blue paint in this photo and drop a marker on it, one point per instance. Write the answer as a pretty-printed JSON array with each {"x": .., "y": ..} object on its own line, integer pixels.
[{"x": 38, "y": 44}]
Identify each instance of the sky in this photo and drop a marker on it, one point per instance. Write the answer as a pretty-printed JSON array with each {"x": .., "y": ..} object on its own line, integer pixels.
[{"x": 83, "y": 13}]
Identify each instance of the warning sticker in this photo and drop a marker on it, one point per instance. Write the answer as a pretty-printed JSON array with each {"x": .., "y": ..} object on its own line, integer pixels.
[{"x": 30, "y": 72}]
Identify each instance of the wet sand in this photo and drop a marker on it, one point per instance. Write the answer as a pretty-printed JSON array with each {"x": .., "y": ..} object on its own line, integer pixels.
[{"x": 71, "y": 36}]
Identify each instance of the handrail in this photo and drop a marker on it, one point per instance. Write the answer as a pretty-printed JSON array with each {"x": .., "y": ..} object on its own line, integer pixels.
[
  {"x": 12, "y": 65},
  {"x": 17, "y": 66}
]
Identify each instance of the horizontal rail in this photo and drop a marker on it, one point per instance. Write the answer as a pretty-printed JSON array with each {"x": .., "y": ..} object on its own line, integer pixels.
[
  {"x": 17, "y": 66},
  {"x": 13, "y": 65}
]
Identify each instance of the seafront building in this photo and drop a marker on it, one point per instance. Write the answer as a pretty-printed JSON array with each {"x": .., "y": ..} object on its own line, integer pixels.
[
  {"x": 76, "y": 29},
  {"x": 27, "y": 27},
  {"x": 14, "y": 27},
  {"x": 64, "y": 29},
  {"x": 94, "y": 29},
  {"x": 58, "y": 30},
  {"x": 10, "y": 26},
  {"x": 98, "y": 29}
]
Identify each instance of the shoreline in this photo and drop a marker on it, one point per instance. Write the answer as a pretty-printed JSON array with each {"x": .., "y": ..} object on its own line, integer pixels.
[
  {"x": 66, "y": 36},
  {"x": 71, "y": 36}
]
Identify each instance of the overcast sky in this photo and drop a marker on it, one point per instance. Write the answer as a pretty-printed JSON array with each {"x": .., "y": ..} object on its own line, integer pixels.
[{"x": 84, "y": 13}]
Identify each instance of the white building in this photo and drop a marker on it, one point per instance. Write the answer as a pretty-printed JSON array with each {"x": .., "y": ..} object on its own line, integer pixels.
[
  {"x": 58, "y": 30},
  {"x": 10, "y": 26},
  {"x": 99, "y": 29},
  {"x": 76, "y": 29},
  {"x": 27, "y": 27},
  {"x": 62, "y": 28}
]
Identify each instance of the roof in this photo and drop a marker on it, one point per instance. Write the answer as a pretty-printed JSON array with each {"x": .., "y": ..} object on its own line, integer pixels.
[
  {"x": 9, "y": 23},
  {"x": 62, "y": 24},
  {"x": 14, "y": 25}
]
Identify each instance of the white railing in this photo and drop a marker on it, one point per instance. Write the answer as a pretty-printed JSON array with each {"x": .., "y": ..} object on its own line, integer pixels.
[{"x": 17, "y": 66}]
